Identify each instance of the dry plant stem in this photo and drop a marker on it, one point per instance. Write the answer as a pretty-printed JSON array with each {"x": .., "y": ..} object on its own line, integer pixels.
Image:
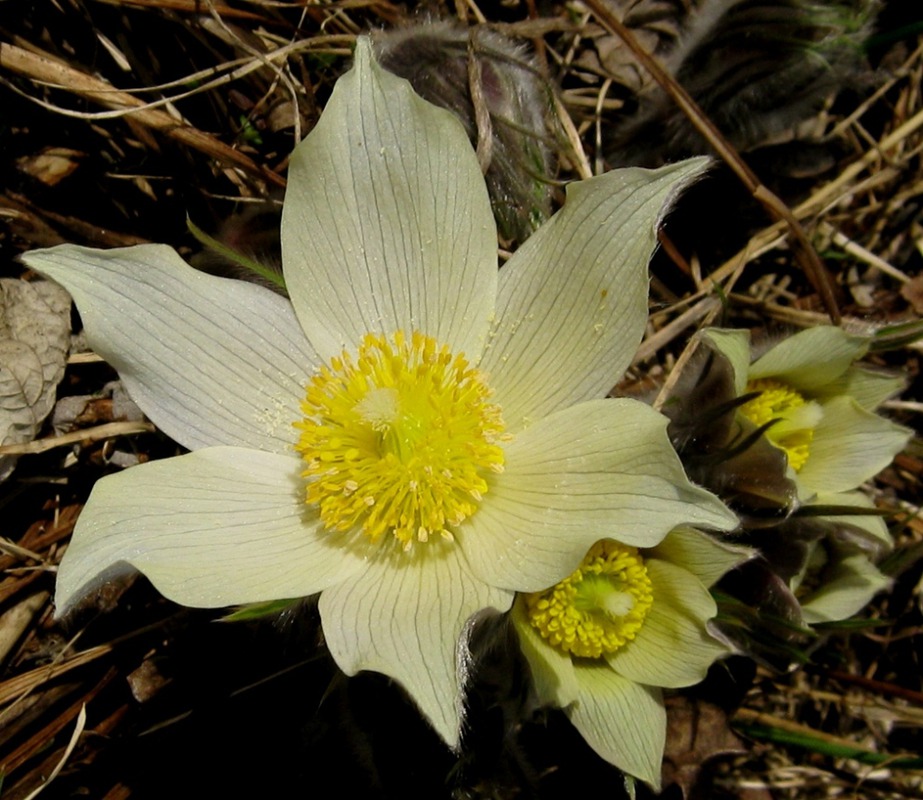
[
  {"x": 43, "y": 67},
  {"x": 691, "y": 316},
  {"x": 805, "y": 253},
  {"x": 861, "y": 253},
  {"x": 20, "y": 685},
  {"x": 42, "y": 737},
  {"x": 481, "y": 112},
  {"x": 16, "y": 621},
  {"x": 191, "y": 7},
  {"x": 879, "y": 687},
  {"x": 88, "y": 434},
  {"x": 75, "y": 737},
  {"x": 824, "y": 198}
]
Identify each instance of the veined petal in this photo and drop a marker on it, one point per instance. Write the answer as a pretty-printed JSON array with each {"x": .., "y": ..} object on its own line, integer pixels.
[
  {"x": 387, "y": 223},
  {"x": 873, "y": 525},
  {"x": 869, "y": 389},
  {"x": 621, "y": 720},
  {"x": 846, "y": 590},
  {"x": 599, "y": 469},
  {"x": 704, "y": 556},
  {"x": 734, "y": 345},
  {"x": 573, "y": 299},
  {"x": 406, "y": 617},
  {"x": 810, "y": 358},
  {"x": 673, "y": 648},
  {"x": 552, "y": 670},
  {"x": 210, "y": 360},
  {"x": 220, "y": 526},
  {"x": 850, "y": 446}
]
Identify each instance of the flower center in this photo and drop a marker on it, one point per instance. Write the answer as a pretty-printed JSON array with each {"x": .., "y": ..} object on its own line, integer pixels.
[
  {"x": 793, "y": 418},
  {"x": 399, "y": 439},
  {"x": 600, "y": 607}
]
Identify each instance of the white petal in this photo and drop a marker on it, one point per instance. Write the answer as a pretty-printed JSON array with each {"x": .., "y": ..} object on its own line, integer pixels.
[
  {"x": 868, "y": 389},
  {"x": 573, "y": 299},
  {"x": 386, "y": 223},
  {"x": 811, "y": 358},
  {"x": 847, "y": 588},
  {"x": 871, "y": 524},
  {"x": 406, "y": 617},
  {"x": 735, "y": 346},
  {"x": 623, "y": 721},
  {"x": 551, "y": 669},
  {"x": 706, "y": 557},
  {"x": 599, "y": 469},
  {"x": 850, "y": 446},
  {"x": 210, "y": 360},
  {"x": 221, "y": 526},
  {"x": 673, "y": 647}
]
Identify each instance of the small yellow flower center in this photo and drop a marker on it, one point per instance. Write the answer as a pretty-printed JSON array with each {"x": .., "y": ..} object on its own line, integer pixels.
[
  {"x": 793, "y": 418},
  {"x": 399, "y": 439},
  {"x": 600, "y": 607}
]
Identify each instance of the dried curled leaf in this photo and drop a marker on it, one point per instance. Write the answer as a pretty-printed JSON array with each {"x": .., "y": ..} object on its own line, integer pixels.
[
  {"x": 34, "y": 339},
  {"x": 696, "y": 731}
]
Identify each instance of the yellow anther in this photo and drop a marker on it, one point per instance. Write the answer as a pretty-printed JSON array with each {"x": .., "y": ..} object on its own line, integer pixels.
[
  {"x": 399, "y": 439},
  {"x": 600, "y": 607},
  {"x": 793, "y": 418}
]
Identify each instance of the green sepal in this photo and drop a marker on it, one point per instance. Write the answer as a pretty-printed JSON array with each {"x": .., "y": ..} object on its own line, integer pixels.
[
  {"x": 259, "y": 610},
  {"x": 267, "y": 274}
]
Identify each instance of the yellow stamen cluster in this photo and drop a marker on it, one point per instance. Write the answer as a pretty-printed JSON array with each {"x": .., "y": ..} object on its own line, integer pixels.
[
  {"x": 792, "y": 416},
  {"x": 399, "y": 439},
  {"x": 600, "y": 607}
]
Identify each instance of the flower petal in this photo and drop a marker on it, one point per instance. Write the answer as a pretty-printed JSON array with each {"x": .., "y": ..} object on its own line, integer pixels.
[
  {"x": 811, "y": 358},
  {"x": 850, "y": 446},
  {"x": 673, "y": 647},
  {"x": 552, "y": 670},
  {"x": 386, "y": 223},
  {"x": 869, "y": 389},
  {"x": 873, "y": 525},
  {"x": 621, "y": 720},
  {"x": 573, "y": 299},
  {"x": 734, "y": 345},
  {"x": 220, "y": 526},
  {"x": 599, "y": 469},
  {"x": 406, "y": 617},
  {"x": 210, "y": 360},
  {"x": 704, "y": 556},
  {"x": 846, "y": 590}
]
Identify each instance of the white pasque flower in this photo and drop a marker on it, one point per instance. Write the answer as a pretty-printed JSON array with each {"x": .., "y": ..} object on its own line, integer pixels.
[
  {"x": 603, "y": 642},
  {"x": 820, "y": 405},
  {"x": 346, "y": 441}
]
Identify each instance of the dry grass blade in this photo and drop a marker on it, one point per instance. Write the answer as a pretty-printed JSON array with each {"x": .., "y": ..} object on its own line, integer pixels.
[
  {"x": 14, "y": 688},
  {"x": 43, "y": 67},
  {"x": 75, "y": 737},
  {"x": 107, "y": 431}
]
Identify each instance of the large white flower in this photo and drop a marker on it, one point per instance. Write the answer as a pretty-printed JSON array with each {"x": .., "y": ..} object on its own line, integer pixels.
[{"x": 346, "y": 442}]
